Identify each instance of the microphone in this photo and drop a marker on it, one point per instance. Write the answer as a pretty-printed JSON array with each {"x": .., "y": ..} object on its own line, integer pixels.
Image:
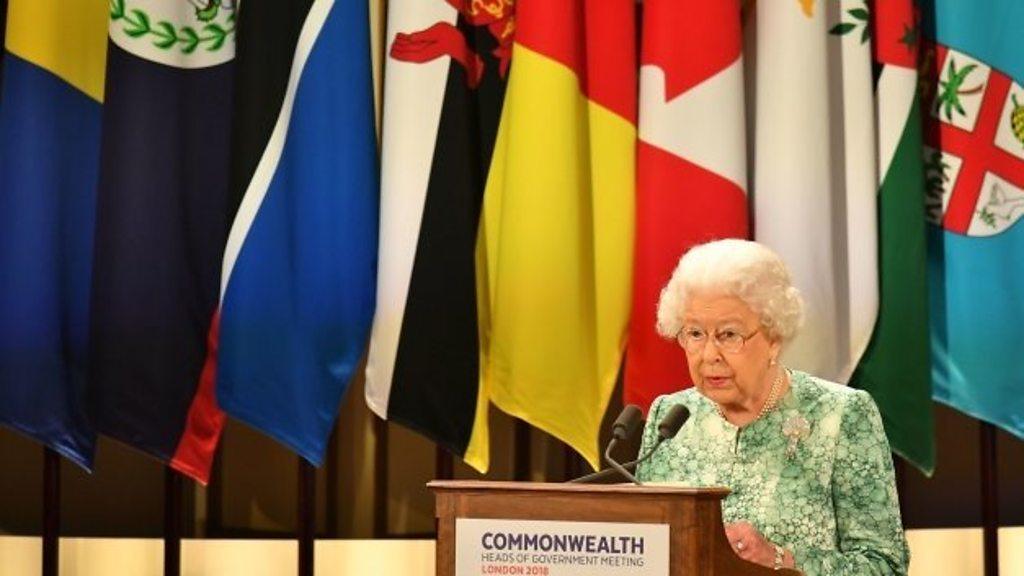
[
  {"x": 627, "y": 422},
  {"x": 623, "y": 427},
  {"x": 671, "y": 423},
  {"x": 667, "y": 429}
]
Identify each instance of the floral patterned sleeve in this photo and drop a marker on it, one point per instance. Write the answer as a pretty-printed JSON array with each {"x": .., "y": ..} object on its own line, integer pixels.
[
  {"x": 649, "y": 437},
  {"x": 869, "y": 530}
]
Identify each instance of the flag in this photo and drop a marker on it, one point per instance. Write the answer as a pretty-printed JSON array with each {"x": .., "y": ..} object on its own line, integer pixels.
[
  {"x": 815, "y": 173},
  {"x": 974, "y": 174},
  {"x": 895, "y": 369},
  {"x": 444, "y": 86},
  {"x": 557, "y": 230},
  {"x": 299, "y": 269},
  {"x": 162, "y": 220},
  {"x": 50, "y": 109},
  {"x": 3, "y": 30},
  {"x": 691, "y": 167}
]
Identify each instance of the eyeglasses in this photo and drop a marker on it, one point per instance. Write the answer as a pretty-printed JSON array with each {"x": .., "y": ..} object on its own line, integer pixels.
[{"x": 693, "y": 339}]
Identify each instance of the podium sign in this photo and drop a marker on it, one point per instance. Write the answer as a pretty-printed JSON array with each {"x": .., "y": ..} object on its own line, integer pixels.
[
  {"x": 541, "y": 529},
  {"x": 559, "y": 548}
]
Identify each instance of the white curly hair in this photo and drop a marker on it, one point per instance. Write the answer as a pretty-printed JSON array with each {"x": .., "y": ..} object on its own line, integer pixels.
[{"x": 747, "y": 270}]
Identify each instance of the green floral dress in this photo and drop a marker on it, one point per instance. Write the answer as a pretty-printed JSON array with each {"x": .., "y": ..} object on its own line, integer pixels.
[{"x": 826, "y": 492}]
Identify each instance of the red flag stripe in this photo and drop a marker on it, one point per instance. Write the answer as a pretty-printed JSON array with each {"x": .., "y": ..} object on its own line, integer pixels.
[
  {"x": 600, "y": 53},
  {"x": 690, "y": 40},
  {"x": 194, "y": 454},
  {"x": 679, "y": 204},
  {"x": 896, "y": 33}
]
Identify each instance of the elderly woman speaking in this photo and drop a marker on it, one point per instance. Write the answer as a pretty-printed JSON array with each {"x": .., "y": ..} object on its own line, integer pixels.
[{"x": 807, "y": 461}]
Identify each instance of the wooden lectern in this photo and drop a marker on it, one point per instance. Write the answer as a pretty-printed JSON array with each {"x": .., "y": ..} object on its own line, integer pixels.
[{"x": 697, "y": 543}]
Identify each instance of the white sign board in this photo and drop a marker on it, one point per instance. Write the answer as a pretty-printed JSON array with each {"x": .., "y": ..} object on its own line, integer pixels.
[{"x": 491, "y": 547}]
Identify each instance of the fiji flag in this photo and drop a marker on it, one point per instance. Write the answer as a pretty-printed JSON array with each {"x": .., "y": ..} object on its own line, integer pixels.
[
  {"x": 974, "y": 168},
  {"x": 299, "y": 269},
  {"x": 53, "y": 69}
]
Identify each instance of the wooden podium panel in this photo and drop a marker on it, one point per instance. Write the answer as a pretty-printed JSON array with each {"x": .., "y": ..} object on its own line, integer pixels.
[{"x": 697, "y": 543}]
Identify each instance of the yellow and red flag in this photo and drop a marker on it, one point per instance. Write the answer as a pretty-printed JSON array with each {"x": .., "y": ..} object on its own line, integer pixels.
[{"x": 556, "y": 237}]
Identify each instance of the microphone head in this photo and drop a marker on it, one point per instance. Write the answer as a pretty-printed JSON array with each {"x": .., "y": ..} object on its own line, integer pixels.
[
  {"x": 627, "y": 422},
  {"x": 673, "y": 421}
]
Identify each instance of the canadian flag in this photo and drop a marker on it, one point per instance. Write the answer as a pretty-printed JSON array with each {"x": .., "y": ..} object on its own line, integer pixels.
[{"x": 691, "y": 166}]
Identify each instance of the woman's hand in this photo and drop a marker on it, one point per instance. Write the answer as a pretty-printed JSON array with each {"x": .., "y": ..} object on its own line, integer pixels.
[{"x": 750, "y": 545}]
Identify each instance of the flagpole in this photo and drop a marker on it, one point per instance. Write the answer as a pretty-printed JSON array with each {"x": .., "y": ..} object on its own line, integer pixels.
[
  {"x": 51, "y": 512},
  {"x": 573, "y": 464},
  {"x": 306, "y": 516},
  {"x": 444, "y": 464},
  {"x": 990, "y": 498},
  {"x": 900, "y": 470},
  {"x": 380, "y": 478},
  {"x": 172, "y": 522},
  {"x": 215, "y": 499},
  {"x": 521, "y": 469},
  {"x": 331, "y": 479},
  {"x": 444, "y": 469}
]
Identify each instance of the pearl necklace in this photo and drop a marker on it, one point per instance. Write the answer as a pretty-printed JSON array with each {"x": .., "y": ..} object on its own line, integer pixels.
[{"x": 769, "y": 404}]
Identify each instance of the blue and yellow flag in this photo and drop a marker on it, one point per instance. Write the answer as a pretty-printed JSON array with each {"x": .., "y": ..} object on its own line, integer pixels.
[
  {"x": 54, "y": 60},
  {"x": 974, "y": 173},
  {"x": 3, "y": 32}
]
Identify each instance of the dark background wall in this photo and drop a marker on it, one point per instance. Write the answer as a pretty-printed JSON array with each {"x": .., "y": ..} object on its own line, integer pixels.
[{"x": 254, "y": 492}]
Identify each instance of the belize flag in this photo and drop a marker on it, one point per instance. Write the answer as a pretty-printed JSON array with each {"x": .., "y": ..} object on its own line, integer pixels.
[
  {"x": 50, "y": 108},
  {"x": 161, "y": 224},
  {"x": 299, "y": 271},
  {"x": 974, "y": 170}
]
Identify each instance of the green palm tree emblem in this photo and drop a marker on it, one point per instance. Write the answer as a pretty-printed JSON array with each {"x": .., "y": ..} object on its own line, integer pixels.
[
  {"x": 952, "y": 89},
  {"x": 1017, "y": 120}
]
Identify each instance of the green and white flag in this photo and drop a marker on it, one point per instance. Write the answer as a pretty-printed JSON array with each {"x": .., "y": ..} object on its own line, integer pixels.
[
  {"x": 896, "y": 367},
  {"x": 838, "y": 191}
]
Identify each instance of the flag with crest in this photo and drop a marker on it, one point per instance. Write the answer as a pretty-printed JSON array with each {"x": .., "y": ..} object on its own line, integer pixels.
[
  {"x": 815, "y": 180},
  {"x": 161, "y": 224},
  {"x": 973, "y": 102},
  {"x": 445, "y": 77}
]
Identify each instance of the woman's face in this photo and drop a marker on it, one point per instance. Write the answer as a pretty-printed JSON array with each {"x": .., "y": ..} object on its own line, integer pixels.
[{"x": 737, "y": 379}]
